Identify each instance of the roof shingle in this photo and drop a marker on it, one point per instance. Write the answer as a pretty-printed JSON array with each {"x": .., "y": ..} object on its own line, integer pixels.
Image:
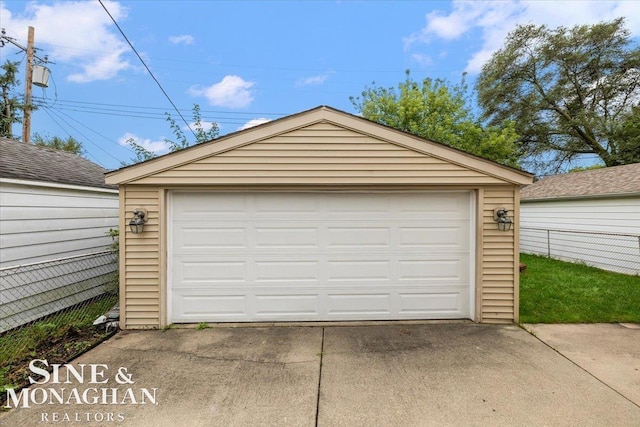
[
  {"x": 596, "y": 182},
  {"x": 32, "y": 162}
]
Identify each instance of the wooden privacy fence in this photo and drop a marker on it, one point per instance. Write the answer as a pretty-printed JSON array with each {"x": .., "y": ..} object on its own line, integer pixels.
[
  {"x": 31, "y": 291},
  {"x": 608, "y": 251}
]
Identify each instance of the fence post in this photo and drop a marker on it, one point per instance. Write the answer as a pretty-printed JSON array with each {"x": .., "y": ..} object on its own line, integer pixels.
[{"x": 548, "y": 243}]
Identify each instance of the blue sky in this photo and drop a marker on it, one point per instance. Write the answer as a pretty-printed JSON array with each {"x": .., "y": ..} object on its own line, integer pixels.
[{"x": 246, "y": 62}]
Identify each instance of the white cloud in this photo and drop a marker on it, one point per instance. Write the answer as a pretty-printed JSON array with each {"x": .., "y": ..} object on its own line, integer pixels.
[
  {"x": 313, "y": 80},
  {"x": 185, "y": 39},
  {"x": 423, "y": 60},
  {"x": 493, "y": 20},
  {"x": 76, "y": 33},
  {"x": 231, "y": 92},
  {"x": 157, "y": 147},
  {"x": 254, "y": 122}
]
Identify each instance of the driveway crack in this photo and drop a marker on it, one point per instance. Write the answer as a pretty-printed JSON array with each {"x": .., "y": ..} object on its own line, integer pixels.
[{"x": 319, "y": 378}]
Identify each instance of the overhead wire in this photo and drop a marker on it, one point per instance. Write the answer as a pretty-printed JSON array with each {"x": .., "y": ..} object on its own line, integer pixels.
[
  {"x": 142, "y": 112},
  {"x": 49, "y": 111},
  {"x": 95, "y": 132},
  {"x": 143, "y": 107},
  {"x": 95, "y": 159},
  {"x": 148, "y": 69}
]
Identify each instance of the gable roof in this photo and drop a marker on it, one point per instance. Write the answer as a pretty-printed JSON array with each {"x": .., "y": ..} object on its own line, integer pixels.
[
  {"x": 35, "y": 163},
  {"x": 322, "y": 118},
  {"x": 615, "y": 180}
]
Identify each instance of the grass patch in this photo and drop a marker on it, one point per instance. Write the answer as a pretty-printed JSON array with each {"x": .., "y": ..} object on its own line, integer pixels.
[
  {"x": 57, "y": 338},
  {"x": 553, "y": 291}
]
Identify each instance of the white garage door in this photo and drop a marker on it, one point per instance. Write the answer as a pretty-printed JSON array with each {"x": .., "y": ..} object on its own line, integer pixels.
[{"x": 237, "y": 257}]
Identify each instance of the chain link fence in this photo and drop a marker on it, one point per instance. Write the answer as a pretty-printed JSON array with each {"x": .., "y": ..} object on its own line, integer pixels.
[
  {"x": 48, "y": 309},
  {"x": 32, "y": 291},
  {"x": 609, "y": 251}
]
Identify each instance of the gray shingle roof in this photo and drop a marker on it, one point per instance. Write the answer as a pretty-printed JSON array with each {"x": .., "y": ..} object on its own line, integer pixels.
[
  {"x": 31, "y": 162},
  {"x": 597, "y": 182}
]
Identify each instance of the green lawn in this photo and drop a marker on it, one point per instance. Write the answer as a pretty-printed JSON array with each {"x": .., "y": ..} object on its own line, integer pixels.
[{"x": 553, "y": 291}]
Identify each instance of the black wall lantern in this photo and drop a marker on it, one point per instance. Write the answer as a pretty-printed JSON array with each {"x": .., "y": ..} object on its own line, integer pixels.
[
  {"x": 500, "y": 216},
  {"x": 137, "y": 222}
]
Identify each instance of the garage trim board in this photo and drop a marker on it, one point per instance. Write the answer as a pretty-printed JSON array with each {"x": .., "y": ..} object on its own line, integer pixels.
[{"x": 320, "y": 256}]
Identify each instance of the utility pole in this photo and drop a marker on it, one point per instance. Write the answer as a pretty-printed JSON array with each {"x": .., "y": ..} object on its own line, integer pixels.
[
  {"x": 26, "y": 123},
  {"x": 28, "y": 107}
]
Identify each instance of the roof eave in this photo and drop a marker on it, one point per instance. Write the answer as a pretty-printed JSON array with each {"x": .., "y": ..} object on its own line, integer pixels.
[{"x": 580, "y": 197}]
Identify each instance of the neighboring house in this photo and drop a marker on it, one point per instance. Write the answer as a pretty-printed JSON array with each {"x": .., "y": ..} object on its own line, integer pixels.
[
  {"x": 321, "y": 215},
  {"x": 55, "y": 210},
  {"x": 591, "y": 216}
]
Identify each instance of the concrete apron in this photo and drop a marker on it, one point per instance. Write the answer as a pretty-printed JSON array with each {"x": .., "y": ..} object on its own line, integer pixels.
[
  {"x": 609, "y": 352},
  {"x": 415, "y": 373}
]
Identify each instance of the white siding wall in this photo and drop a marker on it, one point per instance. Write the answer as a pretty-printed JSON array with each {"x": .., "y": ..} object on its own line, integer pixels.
[
  {"x": 589, "y": 230},
  {"x": 44, "y": 222}
]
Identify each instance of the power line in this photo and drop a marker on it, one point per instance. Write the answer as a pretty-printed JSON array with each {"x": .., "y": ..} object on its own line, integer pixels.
[
  {"x": 92, "y": 130},
  {"x": 148, "y": 69},
  {"x": 48, "y": 111},
  {"x": 146, "y": 108},
  {"x": 65, "y": 131}
]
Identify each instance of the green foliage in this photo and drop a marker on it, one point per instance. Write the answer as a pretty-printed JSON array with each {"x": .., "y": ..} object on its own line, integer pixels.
[
  {"x": 114, "y": 233},
  {"x": 142, "y": 154},
  {"x": 439, "y": 111},
  {"x": 70, "y": 144},
  {"x": 202, "y": 325},
  {"x": 10, "y": 106},
  {"x": 586, "y": 168},
  {"x": 32, "y": 340},
  {"x": 180, "y": 140},
  {"x": 626, "y": 137},
  {"x": 570, "y": 92},
  {"x": 553, "y": 291}
]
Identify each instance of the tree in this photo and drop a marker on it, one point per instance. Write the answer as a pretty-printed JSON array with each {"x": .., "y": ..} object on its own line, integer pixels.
[
  {"x": 181, "y": 142},
  {"x": 567, "y": 90},
  {"x": 70, "y": 144},
  {"x": 10, "y": 106},
  {"x": 439, "y": 111},
  {"x": 626, "y": 137}
]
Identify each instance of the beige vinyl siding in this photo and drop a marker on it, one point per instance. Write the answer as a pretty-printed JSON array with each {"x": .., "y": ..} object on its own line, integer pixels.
[
  {"x": 318, "y": 150},
  {"x": 499, "y": 275},
  {"x": 322, "y": 153},
  {"x": 141, "y": 270},
  {"x": 497, "y": 296}
]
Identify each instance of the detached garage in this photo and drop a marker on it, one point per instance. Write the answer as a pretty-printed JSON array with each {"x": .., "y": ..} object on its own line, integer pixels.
[{"x": 318, "y": 216}]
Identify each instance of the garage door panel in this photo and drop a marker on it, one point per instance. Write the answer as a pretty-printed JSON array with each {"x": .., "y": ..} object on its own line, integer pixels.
[
  {"x": 186, "y": 206},
  {"x": 203, "y": 237},
  {"x": 429, "y": 303},
  {"x": 358, "y": 236},
  {"x": 319, "y": 256},
  {"x": 357, "y": 204},
  {"x": 211, "y": 272},
  {"x": 451, "y": 205},
  {"x": 299, "y": 306},
  {"x": 452, "y": 236},
  {"x": 361, "y": 305},
  {"x": 287, "y": 271},
  {"x": 283, "y": 203},
  {"x": 287, "y": 237},
  {"x": 196, "y": 306},
  {"x": 432, "y": 270}
]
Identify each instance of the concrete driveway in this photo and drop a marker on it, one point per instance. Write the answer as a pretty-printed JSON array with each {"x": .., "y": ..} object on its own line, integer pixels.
[{"x": 400, "y": 374}]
